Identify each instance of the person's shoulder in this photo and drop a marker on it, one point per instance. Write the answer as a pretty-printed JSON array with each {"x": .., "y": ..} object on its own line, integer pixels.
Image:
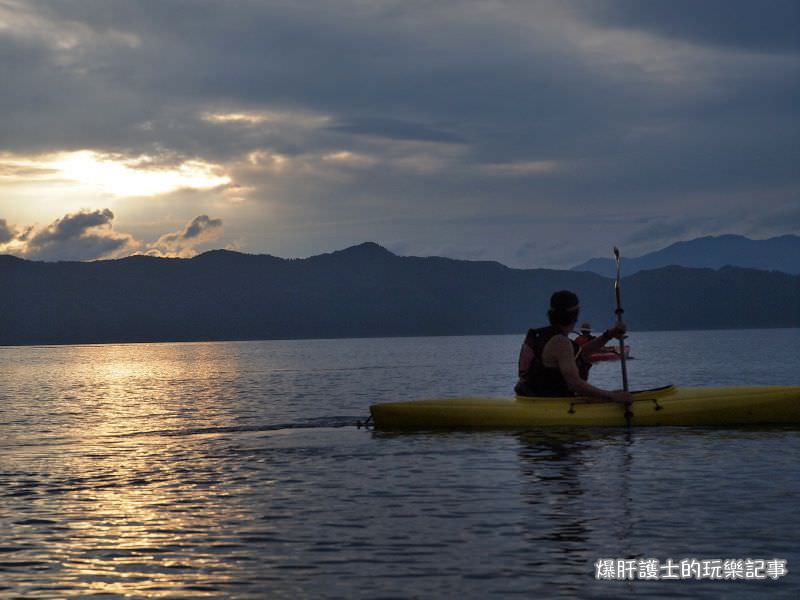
[{"x": 558, "y": 342}]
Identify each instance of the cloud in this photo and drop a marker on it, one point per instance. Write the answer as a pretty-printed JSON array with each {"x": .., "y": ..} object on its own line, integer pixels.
[
  {"x": 88, "y": 235},
  {"x": 731, "y": 23},
  {"x": 184, "y": 242},
  {"x": 339, "y": 130},
  {"x": 84, "y": 235},
  {"x": 396, "y": 129},
  {"x": 72, "y": 226},
  {"x": 7, "y": 232}
]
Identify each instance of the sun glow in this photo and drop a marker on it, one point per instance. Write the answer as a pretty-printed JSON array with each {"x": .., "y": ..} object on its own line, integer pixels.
[
  {"x": 125, "y": 178},
  {"x": 115, "y": 175}
]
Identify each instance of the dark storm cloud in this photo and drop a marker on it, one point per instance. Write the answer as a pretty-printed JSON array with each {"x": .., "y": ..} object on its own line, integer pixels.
[{"x": 485, "y": 94}]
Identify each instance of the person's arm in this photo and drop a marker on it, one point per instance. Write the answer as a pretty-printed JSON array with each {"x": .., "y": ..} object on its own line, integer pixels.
[
  {"x": 561, "y": 351},
  {"x": 598, "y": 343}
]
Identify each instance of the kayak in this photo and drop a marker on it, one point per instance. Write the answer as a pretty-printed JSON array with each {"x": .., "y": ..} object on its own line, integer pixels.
[
  {"x": 668, "y": 405},
  {"x": 609, "y": 353}
]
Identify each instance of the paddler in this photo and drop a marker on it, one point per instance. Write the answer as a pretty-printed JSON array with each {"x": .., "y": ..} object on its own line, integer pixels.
[
  {"x": 549, "y": 360},
  {"x": 585, "y": 335}
]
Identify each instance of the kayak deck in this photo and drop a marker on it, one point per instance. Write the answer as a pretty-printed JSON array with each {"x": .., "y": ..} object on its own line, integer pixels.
[{"x": 670, "y": 405}]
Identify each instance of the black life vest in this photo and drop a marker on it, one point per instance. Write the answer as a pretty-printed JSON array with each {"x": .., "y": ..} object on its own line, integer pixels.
[
  {"x": 534, "y": 378},
  {"x": 584, "y": 361}
]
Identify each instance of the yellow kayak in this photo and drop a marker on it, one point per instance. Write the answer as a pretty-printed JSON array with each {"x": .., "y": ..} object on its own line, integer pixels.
[{"x": 669, "y": 405}]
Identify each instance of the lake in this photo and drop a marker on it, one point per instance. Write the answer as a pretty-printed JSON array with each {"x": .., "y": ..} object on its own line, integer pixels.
[{"x": 236, "y": 469}]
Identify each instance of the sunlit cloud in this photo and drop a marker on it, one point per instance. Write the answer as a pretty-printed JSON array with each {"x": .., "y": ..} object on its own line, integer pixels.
[
  {"x": 353, "y": 159},
  {"x": 289, "y": 118},
  {"x": 273, "y": 161},
  {"x": 248, "y": 118},
  {"x": 265, "y": 168},
  {"x": 66, "y": 36},
  {"x": 89, "y": 235},
  {"x": 84, "y": 235},
  {"x": 183, "y": 243}
]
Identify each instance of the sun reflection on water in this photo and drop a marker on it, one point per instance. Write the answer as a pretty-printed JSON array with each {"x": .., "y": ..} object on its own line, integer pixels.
[
  {"x": 124, "y": 388},
  {"x": 144, "y": 522},
  {"x": 139, "y": 503}
]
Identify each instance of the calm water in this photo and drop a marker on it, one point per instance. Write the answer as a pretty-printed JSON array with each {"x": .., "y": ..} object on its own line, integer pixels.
[{"x": 234, "y": 469}]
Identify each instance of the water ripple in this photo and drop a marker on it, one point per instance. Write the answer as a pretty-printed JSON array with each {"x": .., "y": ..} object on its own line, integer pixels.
[{"x": 210, "y": 470}]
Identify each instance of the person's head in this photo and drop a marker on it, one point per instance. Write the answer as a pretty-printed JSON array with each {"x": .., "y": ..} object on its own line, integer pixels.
[
  {"x": 586, "y": 328},
  {"x": 564, "y": 308}
]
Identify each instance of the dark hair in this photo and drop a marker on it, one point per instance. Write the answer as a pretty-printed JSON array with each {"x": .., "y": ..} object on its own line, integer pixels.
[{"x": 564, "y": 308}]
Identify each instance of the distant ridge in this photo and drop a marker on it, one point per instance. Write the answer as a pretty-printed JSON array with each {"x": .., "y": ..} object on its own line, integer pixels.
[
  {"x": 775, "y": 254},
  {"x": 362, "y": 291}
]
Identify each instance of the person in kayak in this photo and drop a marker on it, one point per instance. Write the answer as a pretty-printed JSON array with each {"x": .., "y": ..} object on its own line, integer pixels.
[
  {"x": 549, "y": 360},
  {"x": 586, "y": 334}
]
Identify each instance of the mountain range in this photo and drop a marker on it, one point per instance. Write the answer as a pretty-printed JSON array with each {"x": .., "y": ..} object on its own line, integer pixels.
[
  {"x": 362, "y": 291},
  {"x": 712, "y": 252}
]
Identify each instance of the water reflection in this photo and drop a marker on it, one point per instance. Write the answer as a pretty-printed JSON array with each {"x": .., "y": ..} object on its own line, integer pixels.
[
  {"x": 134, "y": 517},
  {"x": 126, "y": 515},
  {"x": 577, "y": 487},
  {"x": 129, "y": 388}
]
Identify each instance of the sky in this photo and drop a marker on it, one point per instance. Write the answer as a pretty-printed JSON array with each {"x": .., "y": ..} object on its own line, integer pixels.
[{"x": 535, "y": 133}]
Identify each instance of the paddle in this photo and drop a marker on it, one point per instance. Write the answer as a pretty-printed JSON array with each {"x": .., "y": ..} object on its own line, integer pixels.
[{"x": 619, "y": 311}]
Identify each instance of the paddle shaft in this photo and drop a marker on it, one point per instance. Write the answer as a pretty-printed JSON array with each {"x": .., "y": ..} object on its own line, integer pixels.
[{"x": 619, "y": 312}]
